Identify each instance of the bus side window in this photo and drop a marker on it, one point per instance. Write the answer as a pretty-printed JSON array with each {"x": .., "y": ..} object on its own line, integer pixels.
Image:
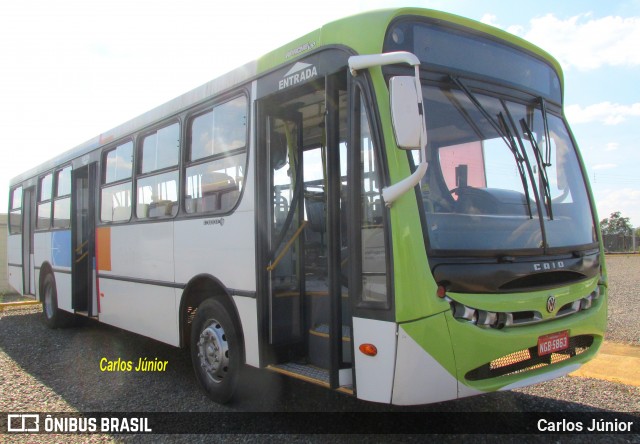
[
  {"x": 157, "y": 189},
  {"x": 115, "y": 196},
  {"x": 15, "y": 216},
  {"x": 45, "y": 187},
  {"x": 217, "y": 155},
  {"x": 62, "y": 202}
]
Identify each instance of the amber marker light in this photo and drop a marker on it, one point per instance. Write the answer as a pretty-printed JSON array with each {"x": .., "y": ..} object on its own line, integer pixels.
[
  {"x": 368, "y": 349},
  {"x": 442, "y": 291}
]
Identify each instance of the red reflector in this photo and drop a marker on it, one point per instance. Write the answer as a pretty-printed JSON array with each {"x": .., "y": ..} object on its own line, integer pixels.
[
  {"x": 368, "y": 349},
  {"x": 442, "y": 292}
]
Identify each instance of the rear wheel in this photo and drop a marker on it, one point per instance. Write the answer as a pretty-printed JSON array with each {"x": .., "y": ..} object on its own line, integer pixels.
[
  {"x": 216, "y": 351},
  {"x": 53, "y": 316}
]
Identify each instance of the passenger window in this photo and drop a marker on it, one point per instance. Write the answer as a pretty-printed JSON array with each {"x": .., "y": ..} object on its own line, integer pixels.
[
  {"x": 45, "y": 187},
  {"x": 119, "y": 163},
  {"x": 158, "y": 195},
  {"x": 115, "y": 202},
  {"x": 62, "y": 202},
  {"x": 220, "y": 130},
  {"x": 161, "y": 149},
  {"x": 218, "y": 154},
  {"x": 157, "y": 189},
  {"x": 215, "y": 186},
  {"x": 15, "y": 216}
]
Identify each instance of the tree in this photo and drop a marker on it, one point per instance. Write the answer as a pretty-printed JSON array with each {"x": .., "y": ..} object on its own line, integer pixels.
[{"x": 616, "y": 224}]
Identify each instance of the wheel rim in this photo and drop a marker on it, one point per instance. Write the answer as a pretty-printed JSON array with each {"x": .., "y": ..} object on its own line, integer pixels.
[
  {"x": 48, "y": 300},
  {"x": 213, "y": 351}
]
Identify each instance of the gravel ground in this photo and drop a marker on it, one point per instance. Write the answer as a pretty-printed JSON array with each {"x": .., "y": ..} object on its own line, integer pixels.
[
  {"x": 624, "y": 298},
  {"x": 58, "y": 371}
]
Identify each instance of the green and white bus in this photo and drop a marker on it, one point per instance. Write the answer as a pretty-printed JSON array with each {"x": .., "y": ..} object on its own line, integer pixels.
[{"x": 392, "y": 206}]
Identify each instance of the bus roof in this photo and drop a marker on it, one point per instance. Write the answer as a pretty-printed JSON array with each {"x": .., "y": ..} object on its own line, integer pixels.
[
  {"x": 340, "y": 32},
  {"x": 336, "y": 33}
]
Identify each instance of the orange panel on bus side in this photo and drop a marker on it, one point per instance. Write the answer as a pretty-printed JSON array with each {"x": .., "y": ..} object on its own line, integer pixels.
[{"x": 103, "y": 248}]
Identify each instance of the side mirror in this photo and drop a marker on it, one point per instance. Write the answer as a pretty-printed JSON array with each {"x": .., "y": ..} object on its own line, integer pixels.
[
  {"x": 405, "y": 113},
  {"x": 407, "y": 116}
]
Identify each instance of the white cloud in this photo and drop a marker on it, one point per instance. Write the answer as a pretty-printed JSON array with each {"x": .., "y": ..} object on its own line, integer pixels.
[
  {"x": 612, "y": 146},
  {"x": 490, "y": 19},
  {"x": 582, "y": 41},
  {"x": 604, "y": 112}
]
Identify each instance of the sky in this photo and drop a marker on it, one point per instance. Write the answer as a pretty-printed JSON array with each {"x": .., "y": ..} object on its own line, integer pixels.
[{"x": 72, "y": 69}]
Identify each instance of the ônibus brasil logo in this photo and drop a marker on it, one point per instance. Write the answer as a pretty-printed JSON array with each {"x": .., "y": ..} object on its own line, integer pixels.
[{"x": 297, "y": 74}]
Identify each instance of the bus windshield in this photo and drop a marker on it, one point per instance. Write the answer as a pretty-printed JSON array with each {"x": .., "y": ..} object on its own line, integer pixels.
[{"x": 503, "y": 176}]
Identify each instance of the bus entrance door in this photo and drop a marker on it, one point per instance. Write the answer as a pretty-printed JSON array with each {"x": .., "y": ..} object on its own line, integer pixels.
[
  {"x": 286, "y": 243},
  {"x": 28, "y": 226},
  {"x": 83, "y": 240},
  {"x": 309, "y": 323}
]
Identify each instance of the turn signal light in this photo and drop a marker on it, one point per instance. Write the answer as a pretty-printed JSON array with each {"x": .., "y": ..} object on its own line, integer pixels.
[{"x": 368, "y": 349}]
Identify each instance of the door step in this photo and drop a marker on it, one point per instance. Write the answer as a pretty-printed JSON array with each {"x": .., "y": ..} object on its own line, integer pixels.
[
  {"x": 313, "y": 374},
  {"x": 309, "y": 373},
  {"x": 86, "y": 314}
]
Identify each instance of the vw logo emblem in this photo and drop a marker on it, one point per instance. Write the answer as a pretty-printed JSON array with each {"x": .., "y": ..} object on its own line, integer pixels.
[{"x": 551, "y": 304}]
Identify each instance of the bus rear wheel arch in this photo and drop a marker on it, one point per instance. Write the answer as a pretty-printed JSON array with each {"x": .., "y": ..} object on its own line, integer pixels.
[
  {"x": 53, "y": 316},
  {"x": 216, "y": 350}
]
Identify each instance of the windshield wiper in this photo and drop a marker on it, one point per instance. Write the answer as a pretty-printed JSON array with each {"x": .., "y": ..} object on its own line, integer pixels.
[
  {"x": 529, "y": 170},
  {"x": 479, "y": 106},
  {"x": 547, "y": 153},
  {"x": 542, "y": 166},
  {"x": 520, "y": 160},
  {"x": 502, "y": 129}
]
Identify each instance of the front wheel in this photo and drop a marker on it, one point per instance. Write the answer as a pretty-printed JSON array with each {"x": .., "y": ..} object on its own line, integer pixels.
[{"x": 216, "y": 351}]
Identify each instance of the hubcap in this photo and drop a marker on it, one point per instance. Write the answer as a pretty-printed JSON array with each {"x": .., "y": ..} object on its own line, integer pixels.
[
  {"x": 213, "y": 351},
  {"x": 48, "y": 300}
]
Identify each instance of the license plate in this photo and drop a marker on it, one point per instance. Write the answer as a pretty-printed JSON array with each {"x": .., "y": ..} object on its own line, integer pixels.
[{"x": 553, "y": 342}]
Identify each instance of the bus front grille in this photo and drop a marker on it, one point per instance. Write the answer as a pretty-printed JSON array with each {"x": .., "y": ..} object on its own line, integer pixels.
[{"x": 528, "y": 359}]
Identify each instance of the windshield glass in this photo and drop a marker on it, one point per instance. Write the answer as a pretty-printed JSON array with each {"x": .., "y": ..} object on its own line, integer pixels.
[{"x": 499, "y": 179}]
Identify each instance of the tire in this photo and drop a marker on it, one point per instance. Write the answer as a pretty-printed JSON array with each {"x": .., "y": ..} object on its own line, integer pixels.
[
  {"x": 53, "y": 316},
  {"x": 216, "y": 350}
]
